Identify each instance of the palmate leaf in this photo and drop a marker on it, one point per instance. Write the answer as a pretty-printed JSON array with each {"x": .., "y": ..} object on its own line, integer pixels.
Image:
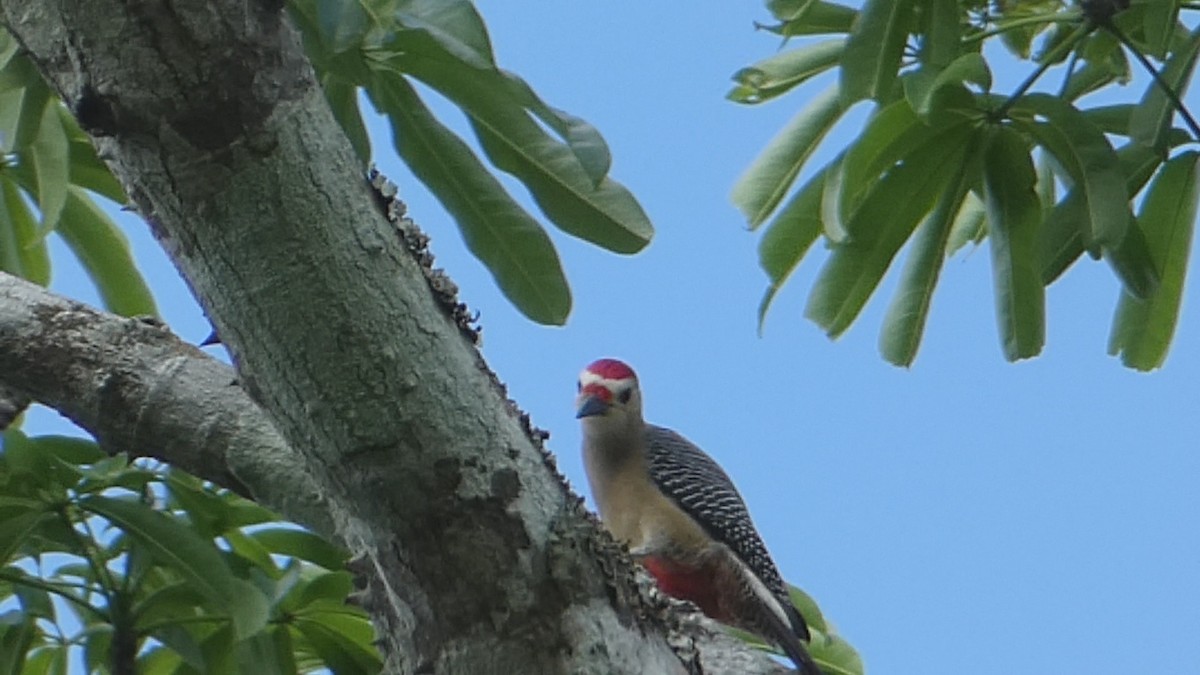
[
  {"x": 891, "y": 134},
  {"x": 1143, "y": 329},
  {"x": 783, "y": 72},
  {"x": 23, "y": 252},
  {"x": 809, "y": 17},
  {"x": 602, "y": 212},
  {"x": 1088, "y": 158},
  {"x": 1014, "y": 213},
  {"x": 923, "y": 86},
  {"x": 880, "y": 226},
  {"x": 904, "y": 323},
  {"x": 197, "y": 559},
  {"x": 104, "y": 252},
  {"x": 1151, "y": 119},
  {"x": 497, "y": 230},
  {"x": 872, "y": 56},
  {"x": 788, "y": 238},
  {"x": 1060, "y": 238},
  {"x": 763, "y": 185},
  {"x": 941, "y": 29}
]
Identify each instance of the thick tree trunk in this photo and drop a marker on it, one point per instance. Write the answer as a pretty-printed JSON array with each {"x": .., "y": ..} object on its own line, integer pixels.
[{"x": 370, "y": 416}]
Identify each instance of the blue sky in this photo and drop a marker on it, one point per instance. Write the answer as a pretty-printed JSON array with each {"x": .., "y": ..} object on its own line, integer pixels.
[{"x": 965, "y": 516}]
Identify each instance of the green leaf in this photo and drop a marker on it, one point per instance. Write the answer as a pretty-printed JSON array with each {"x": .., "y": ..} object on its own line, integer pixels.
[
  {"x": 15, "y": 528},
  {"x": 1086, "y": 79},
  {"x": 835, "y": 656},
  {"x": 603, "y": 212},
  {"x": 46, "y": 660},
  {"x": 341, "y": 653},
  {"x": 1014, "y": 214},
  {"x": 331, "y": 587},
  {"x": 456, "y": 26},
  {"x": 343, "y": 23},
  {"x": 96, "y": 648},
  {"x": 763, "y": 185},
  {"x": 813, "y": 19},
  {"x": 1111, "y": 119},
  {"x": 15, "y": 641},
  {"x": 176, "y": 601},
  {"x": 1060, "y": 239},
  {"x": 34, "y": 102},
  {"x": 923, "y": 86},
  {"x": 104, "y": 252},
  {"x": 941, "y": 28},
  {"x": 782, "y": 72},
  {"x": 86, "y": 169},
  {"x": 184, "y": 551},
  {"x": 872, "y": 57},
  {"x": 790, "y": 10},
  {"x": 891, "y": 134},
  {"x": 788, "y": 238},
  {"x": 300, "y": 544},
  {"x": 808, "y": 608},
  {"x": 1143, "y": 329},
  {"x": 904, "y": 323},
  {"x": 260, "y": 655},
  {"x": 499, "y": 232},
  {"x": 48, "y": 155},
  {"x": 35, "y": 602},
  {"x": 1159, "y": 21},
  {"x": 69, "y": 449},
  {"x": 343, "y": 101},
  {"x": 1152, "y": 117},
  {"x": 970, "y": 225},
  {"x": 285, "y": 650},
  {"x": 1047, "y": 187},
  {"x": 889, "y": 213},
  {"x": 584, "y": 140},
  {"x": 1088, "y": 159},
  {"x": 251, "y": 551},
  {"x": 22, "y": 252}
]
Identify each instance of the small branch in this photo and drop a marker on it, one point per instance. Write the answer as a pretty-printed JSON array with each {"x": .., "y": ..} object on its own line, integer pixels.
[
  {"x": 139, "y": 389},
  {"x": 1062, "y": 48},
  {"x": 1158, "y": 79},
  {"x": 55, "y": 588},
  {"x": 1056, "y": 17},
  {"x": 1062, "y": 92}
]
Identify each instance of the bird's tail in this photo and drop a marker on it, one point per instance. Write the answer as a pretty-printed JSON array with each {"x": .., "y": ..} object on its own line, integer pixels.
[{"x": 799, "y": 655}]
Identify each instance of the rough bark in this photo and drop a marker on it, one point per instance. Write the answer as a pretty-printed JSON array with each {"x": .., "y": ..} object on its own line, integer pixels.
[
  {"x": 476, "y": 556},
  {"x": 137, "y": 388}
]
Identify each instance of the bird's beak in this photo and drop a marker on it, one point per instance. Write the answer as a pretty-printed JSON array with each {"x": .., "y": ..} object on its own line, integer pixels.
[{"x": 591, "y": 405}]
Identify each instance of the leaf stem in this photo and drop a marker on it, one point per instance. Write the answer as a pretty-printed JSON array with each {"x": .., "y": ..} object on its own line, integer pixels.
[
  {"x": 1048, "y": 60},
  {"x": 1056, "y": 17},
  {"x": 1062, "y": 92},
  {"x": 54, "y": 588},
  {"x": 1158, "y": 79}
]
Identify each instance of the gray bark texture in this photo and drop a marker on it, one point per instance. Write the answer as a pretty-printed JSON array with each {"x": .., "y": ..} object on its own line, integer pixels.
[{"x": 359, "y": 405}]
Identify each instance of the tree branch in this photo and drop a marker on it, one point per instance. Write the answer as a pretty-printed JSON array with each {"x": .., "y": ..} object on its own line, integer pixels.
[
  {"x": 139, "y": 389},
  {"x": 476, "y": 556}
]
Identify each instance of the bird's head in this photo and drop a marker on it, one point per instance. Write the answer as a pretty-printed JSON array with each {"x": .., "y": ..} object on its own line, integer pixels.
[{"x": 608, "y": 395}]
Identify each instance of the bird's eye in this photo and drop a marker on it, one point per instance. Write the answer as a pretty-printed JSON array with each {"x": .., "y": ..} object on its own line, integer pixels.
[{"x": 624, "y": 395}]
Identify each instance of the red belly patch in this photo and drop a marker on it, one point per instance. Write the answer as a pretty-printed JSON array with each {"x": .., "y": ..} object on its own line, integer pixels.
[{"x": 698, "y": 584}]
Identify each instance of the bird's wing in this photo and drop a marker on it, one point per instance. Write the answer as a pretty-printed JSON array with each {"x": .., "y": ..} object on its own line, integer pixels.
[{"x": 698, "y": 485}]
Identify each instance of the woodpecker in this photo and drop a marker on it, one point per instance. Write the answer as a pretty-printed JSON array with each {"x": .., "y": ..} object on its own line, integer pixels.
[{"x": 680, "y": 514}]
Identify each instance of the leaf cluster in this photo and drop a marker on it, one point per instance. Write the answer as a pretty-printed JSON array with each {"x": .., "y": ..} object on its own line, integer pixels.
[
  {"x": 384, "y": 47},
  {"x": 49, "y": 175},
  {"x": 127, "y": 567},
  {"x": 943, "y": 160}
]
